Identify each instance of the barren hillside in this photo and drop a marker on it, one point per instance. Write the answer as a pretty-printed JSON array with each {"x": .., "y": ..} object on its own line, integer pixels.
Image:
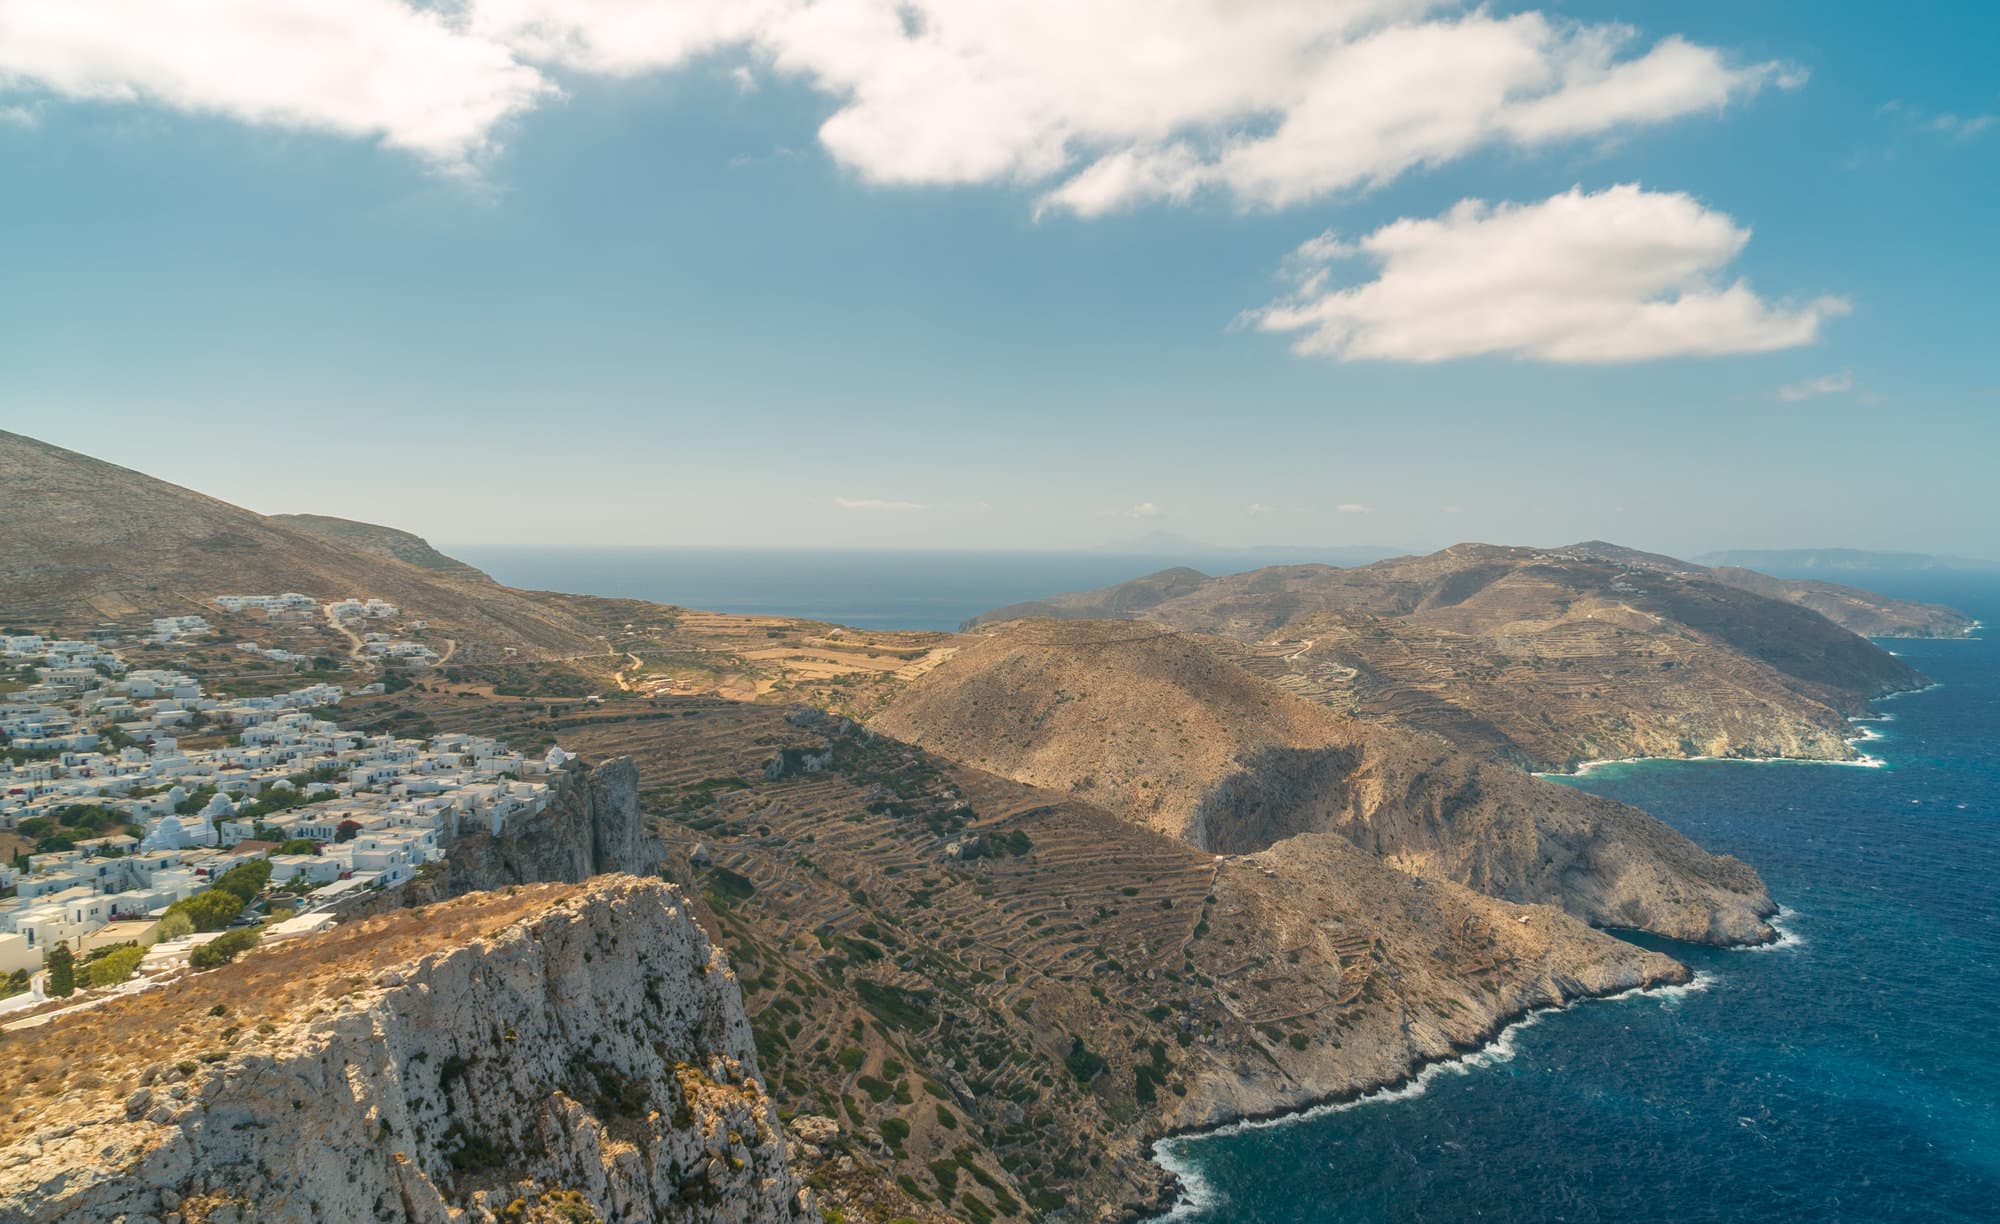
[
  {"x": 1547, "y": 658},
  {"x": 90, "y": 541},
  {"x": 1158, "y": 727}
]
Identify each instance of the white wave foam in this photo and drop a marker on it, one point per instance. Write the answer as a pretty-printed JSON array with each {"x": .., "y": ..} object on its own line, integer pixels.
[
  {"x": 1864, "y": 761},
  {"x": 1787, "y": 936},
  {"x": 1199, "y": 1195},
  {"x": 1910, "y": 692}
]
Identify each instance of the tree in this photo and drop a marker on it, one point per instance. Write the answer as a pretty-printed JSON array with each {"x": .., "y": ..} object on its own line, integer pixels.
[
  {"x": 224, "y": 948},
  {"x": 174, "y": 925},
  {"x": 245, "y": 880},
  {"x": 299, "y": 845},
  {"x": 62, "y": 972},
  {"x": 114, "y": 966},
  {"x": 346, "y": 830},
  {"x": 208, "y": 911}
]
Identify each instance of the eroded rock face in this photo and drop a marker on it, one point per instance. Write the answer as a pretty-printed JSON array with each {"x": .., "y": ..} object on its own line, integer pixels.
[
  {"x": 1494, "y": 829},
  {"x": 593, "y": 1054},
  {"x": 592, "y": 825}
]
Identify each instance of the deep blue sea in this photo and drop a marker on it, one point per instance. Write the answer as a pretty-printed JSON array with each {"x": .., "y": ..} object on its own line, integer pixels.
[{"x": 1850, "y": 1074}]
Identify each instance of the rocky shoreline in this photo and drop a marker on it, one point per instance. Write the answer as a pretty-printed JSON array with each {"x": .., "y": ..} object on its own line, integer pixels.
[{"x": 1494, "y": 1035}]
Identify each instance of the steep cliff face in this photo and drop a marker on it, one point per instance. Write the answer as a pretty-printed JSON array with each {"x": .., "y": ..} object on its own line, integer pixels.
[
  {"x": 588, "y": 1058},
  {"x": 591, "y": 825}
]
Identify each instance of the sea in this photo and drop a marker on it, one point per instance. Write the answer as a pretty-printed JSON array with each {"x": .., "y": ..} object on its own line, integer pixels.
[
  {"x": 1847, "y": 1072},
  {"x": 867, "y": 589}
]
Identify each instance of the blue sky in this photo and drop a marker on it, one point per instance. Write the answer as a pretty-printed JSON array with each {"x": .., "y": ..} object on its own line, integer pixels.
[{"x": 502, "y": 277}]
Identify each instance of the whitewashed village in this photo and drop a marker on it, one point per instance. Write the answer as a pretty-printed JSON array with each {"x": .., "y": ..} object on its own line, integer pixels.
[{"x": 148, "y": 852}]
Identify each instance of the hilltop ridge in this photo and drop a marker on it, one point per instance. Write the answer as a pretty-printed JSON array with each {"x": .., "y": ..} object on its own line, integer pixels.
[
  {"x": 1158, "y": 727},
  {"x": 92, "y": 541},
  {"x": 1545, "y": 657},
  {"x": 390, "y": 542}
]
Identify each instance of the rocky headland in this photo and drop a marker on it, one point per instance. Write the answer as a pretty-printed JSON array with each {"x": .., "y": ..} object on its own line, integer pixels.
[
  {"x": 1544, "y": 658},
  {"x": 547, "y": 1053}
]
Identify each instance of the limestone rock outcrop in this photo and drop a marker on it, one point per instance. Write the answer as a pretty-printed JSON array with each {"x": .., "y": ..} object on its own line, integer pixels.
[
  {"x": 590, "y": 1056},
  {"x": 591, "y": 825}
]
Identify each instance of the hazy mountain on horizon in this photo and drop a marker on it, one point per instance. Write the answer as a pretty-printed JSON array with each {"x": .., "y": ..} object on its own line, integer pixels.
[{"x": 1772, "y": 560}]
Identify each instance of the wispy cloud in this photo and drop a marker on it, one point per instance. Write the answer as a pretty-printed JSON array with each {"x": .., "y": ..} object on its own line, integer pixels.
[
  {"x": 20, "y": 117},
  {"x": 1259, "y": 509},
  {"x": 1144, "y": 510},
  {"x": 1811, "y": 388},
  {"x": 1946, "y": 124},
  {"x": 1354, "y": 508},
  {"x": 878, "y": 503}
]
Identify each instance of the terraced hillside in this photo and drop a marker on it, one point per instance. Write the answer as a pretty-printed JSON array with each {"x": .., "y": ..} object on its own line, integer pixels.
[
  {"x": 1546, "y": 658},
  {"x": 1156, "y": 726},
  {"x": 1001, "y": 994}
]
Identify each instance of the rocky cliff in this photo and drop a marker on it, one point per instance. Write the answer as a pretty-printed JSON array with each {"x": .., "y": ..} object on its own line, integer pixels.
[
  {"x": 538, "y": 1053},
  {"x": 591, "y": 825}
]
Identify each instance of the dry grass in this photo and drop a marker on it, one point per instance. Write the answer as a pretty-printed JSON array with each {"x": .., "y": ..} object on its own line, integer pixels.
[{"x": 101, "y": 1053}]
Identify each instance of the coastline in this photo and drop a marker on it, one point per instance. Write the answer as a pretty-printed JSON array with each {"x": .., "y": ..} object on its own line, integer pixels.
[
  {"x": 1192, "y": 1194},
  {"x": 1861, "y": 760}
]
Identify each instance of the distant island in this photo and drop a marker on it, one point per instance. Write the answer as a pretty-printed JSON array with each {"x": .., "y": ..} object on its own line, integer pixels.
[{"x": 1784, "y": 561}]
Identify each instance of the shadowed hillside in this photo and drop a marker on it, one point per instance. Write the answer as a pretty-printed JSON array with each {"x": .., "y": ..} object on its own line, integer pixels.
[{"x": 1162, "y": 730}]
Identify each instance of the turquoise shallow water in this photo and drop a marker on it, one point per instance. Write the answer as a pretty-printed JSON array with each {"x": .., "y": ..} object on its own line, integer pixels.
[{"x": 1850, "y": 1074}]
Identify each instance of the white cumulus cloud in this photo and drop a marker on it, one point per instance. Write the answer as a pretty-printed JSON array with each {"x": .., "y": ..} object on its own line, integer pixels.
[
  {"x": 371, "y": 69},
  {"x": 1354, "y": 508},
  {"x": 1622, "y": 274},
  {"x": 1094, "y": 105},
  {"x": 877, "y": 503},
  {"x": 1825, "y": 384}
]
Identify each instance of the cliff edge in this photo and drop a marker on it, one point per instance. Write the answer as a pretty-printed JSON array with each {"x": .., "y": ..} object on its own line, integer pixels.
[{"x": 538, "y": 1053}]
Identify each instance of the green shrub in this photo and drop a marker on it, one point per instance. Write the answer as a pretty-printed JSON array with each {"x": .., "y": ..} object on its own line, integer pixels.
[
  {"x": 1082, "y": 1062},
  {"x": 114, "y": 966},
  {"x": 223, "y": 948}
]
